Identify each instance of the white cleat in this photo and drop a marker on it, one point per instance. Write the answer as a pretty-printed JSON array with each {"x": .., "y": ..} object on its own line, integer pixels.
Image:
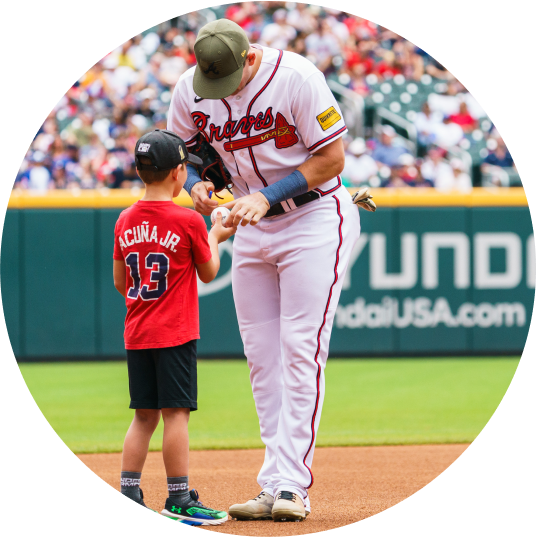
[
  {"x": 288, "y": 507},
  {"x": 259, "y": 508}
]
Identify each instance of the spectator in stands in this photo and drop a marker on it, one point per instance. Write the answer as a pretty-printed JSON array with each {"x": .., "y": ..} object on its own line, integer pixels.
[
  {"x": 388, "y": 67},
  {"x": 464, "y": 119},
  {"x": 500, "y": 156},
  {"x": 437, "y": 70},
  {"x": 459, "y": 180},
  {"x": 171, "y": 68},
  {"x": 435, "y": 169},
  {"x": 411, "y": 63},
  {"x": 404, "y": 173},
  {"x": 447, "y": 134},
  {"x": 338, "y": 29},
  {"x": 363, "y": 29},
  {"x": 426, "y": 123},
  {"x": 242, "y": 13},
  {"x": 385, "y": 151},
  {"x": 301, "y": 18},
  {"x": 359, "y": 167},
  {"x": 38, "y": 174},
  {"x": 255, "y": 26},
  {"x": 46, "y": 135},
  {"x": 420, "y": 181},
  {"x": 322, "y": 47},
  {"x": 80, "y": 130},
  {"x": 357, "y": 58},
  {"x": 279, "y": 33},
  {"x": 298, "y": 45},
  {"x": 66, "y": 167},
  {"x": 447, "y": 101}
]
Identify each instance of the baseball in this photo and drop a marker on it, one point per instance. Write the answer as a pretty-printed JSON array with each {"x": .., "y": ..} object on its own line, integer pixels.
[{"x": 221, "y": 210}]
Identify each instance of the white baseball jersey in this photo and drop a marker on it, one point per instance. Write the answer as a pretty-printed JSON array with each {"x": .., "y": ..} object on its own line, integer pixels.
[
  {"x": 267, "y": 130},
  {"x": 287, "y": 270}
]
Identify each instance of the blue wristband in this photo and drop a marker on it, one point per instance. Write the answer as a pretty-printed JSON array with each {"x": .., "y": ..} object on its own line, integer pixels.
[
  {"x": 193, "y": 178},
  {"x": 290, "y": 186}
]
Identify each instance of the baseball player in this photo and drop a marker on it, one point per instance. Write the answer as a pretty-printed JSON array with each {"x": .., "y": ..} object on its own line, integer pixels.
[{"x": 278, "y": 129}]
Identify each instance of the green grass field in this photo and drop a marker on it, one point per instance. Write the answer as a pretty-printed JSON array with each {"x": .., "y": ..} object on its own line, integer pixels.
[{"x": 368, "y": 402}]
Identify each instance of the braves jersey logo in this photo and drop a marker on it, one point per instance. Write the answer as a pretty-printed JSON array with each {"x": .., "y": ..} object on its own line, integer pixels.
[{"x": 284, "y": 134}]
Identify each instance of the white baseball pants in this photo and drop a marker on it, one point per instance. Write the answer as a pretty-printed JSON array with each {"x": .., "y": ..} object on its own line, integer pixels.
[{"x": 287, "y": 278}]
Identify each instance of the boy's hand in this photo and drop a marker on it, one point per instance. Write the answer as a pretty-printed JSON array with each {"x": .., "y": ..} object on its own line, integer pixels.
[{"x": 221, "y": 233}]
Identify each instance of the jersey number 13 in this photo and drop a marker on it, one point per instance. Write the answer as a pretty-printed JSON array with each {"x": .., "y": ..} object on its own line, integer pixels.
[{"x": 158, "y": 265}]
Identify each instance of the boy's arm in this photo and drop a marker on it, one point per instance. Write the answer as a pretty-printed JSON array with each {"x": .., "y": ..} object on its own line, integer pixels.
[
  {"x": 208, "y": 271},
  {"x": 120, "y": 276}
]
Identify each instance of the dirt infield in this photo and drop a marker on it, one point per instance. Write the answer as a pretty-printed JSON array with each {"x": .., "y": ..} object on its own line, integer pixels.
[{"x": 351, "y": 483}]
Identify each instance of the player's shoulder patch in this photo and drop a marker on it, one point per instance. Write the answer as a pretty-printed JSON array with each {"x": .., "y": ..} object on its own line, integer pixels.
[{"x": 328, "y": 118}]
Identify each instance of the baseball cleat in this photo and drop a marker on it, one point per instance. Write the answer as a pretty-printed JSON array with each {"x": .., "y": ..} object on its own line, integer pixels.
[
  {"x": 193, "y": 513},
  {"x": 288, "y": 507},
  {"x": 259, "y": 508}
]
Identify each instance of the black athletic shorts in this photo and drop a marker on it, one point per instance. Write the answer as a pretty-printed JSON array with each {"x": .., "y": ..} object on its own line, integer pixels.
[{"x": 163, "y": 378}]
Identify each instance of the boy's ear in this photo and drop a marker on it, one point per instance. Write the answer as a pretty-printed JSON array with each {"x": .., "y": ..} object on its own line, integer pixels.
[{"x": 176, "y": 171}]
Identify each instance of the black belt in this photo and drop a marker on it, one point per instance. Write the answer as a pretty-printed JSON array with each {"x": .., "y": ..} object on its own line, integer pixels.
[{"x": 302, "y": 199}]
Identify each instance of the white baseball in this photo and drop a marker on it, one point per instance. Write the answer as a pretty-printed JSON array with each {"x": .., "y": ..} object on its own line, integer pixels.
[{"x": 221, "y": 210}]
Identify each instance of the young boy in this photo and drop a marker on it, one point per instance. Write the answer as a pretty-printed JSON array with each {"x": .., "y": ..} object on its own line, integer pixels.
[{"x": 159, "y": 247}]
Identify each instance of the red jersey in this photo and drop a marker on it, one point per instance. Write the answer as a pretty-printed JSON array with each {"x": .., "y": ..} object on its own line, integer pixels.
[{"x": 160, "y": 244}]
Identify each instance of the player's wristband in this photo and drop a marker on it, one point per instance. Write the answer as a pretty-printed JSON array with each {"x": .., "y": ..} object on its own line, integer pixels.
[
  {"x": 290, "y": 186},
  {"x": 193, "y": 178}
]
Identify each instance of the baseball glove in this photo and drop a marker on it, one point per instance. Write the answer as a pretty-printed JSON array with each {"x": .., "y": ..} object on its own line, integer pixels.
[
  {"x": 213, "y": 169},
  {"x": 363, "y": 199}
]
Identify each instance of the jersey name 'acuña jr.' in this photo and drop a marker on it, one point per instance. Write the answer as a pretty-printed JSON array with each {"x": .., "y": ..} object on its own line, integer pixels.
[
  {"x": 160, "y": 244},
  {"x": 270, "y": 128}
]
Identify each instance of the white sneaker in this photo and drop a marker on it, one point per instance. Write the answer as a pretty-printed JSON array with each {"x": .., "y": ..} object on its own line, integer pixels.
[{"x": 259, "y": 508}]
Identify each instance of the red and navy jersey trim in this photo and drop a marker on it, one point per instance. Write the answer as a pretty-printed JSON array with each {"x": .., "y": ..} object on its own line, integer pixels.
[
  {"x": 265, "y": 85},
  {"x": 324, "y": 140},
  {"x": 319, "y": 369},
  {"x": 322, "y": 193}
]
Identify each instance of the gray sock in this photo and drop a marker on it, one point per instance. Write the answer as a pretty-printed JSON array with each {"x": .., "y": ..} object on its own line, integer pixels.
[
  {"x": 130, "y": 485},
  {"x": 178, "y": 489}
]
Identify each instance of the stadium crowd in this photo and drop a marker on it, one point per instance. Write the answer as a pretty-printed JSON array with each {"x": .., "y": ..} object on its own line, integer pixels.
[{"x": 87, "y": 141}]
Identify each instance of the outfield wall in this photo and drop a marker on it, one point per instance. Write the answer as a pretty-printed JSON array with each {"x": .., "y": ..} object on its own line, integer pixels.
[{"x": 431, "y": 274}]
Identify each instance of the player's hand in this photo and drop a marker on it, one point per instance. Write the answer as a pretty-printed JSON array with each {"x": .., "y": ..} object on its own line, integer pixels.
[
  {"x": 221, "y": 233},
  {"x": 247, "y": 210},
  {"x": 199, "y": 194}
]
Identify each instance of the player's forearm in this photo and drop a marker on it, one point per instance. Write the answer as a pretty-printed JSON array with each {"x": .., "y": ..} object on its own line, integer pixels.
[{"x": 321, "y": 168}]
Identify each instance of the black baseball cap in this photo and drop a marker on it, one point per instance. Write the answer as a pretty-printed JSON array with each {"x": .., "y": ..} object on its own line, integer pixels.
[{"x": 165, "y": 149}]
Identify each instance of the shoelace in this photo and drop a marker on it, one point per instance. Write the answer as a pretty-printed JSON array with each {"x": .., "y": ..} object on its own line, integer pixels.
[
  {"x": 286, "y": 495},
  {"x": 259, "y": 496},
  {"x": 195, "y": 499}
]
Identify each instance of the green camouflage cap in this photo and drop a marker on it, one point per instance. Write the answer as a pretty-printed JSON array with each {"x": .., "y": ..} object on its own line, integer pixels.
[{"x": 221, "y": 48}]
